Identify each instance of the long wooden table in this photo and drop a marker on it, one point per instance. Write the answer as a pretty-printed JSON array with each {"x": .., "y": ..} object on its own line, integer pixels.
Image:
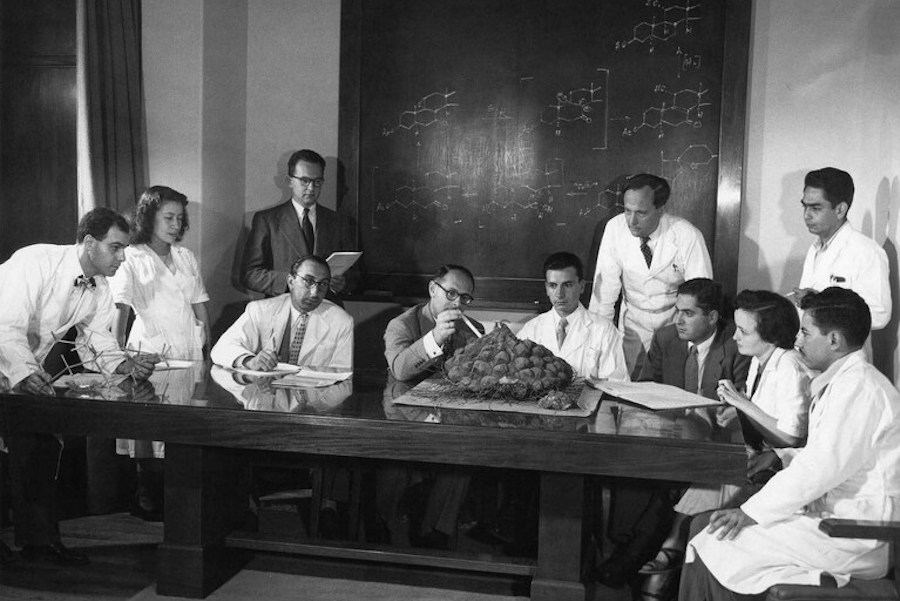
[{"x": 210, "y": 420}]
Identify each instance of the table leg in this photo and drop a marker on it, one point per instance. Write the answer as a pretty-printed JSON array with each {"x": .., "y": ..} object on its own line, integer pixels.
[
  {"x": 561, "y": 537},
  {"x": 207, "y": 493}
]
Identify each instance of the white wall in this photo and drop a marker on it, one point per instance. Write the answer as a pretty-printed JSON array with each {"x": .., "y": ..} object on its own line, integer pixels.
[{"x": 824, "y": 90}]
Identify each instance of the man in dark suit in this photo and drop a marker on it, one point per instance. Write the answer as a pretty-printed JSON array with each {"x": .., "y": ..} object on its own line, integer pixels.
[
  {"x": 416, "y": 344},
  {"x": 296, "y": 228},
  {"x": 693, "y": 353}
]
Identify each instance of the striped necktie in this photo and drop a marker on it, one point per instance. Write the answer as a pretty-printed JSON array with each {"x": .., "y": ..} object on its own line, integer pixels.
[
  {"x": 297, "y": 340},
  {"x": 561, "y": 332},
  {"x": 645, "y": 250}
]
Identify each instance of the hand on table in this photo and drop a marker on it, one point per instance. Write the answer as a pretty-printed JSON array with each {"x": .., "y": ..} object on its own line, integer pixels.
[
  {"x": 38, "y": 382},
  {"x": 138, "y": 365},
  {"x": 265, "y": 360}
]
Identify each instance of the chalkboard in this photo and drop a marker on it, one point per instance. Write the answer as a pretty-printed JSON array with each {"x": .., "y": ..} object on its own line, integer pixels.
[{"x": 492, "y": 132}]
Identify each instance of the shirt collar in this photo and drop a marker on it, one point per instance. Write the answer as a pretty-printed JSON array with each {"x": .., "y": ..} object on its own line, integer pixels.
[
  {"x": 573, "y": 317},
  {"x": 703, "y": 347},
  {"x": 822, "y": 246},
  {"x": 299, "y": 209},
  {"x": 821, "y": 382}
]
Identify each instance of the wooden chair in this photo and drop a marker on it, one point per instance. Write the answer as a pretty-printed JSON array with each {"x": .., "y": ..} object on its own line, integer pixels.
[{"x": 885, "y": 589}]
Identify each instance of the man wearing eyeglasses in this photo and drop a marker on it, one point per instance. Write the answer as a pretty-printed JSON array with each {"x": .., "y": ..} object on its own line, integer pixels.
[
  {"x": 418, "y": 341},
  {"x": 416, "y": 344},
  {"x": 295, "y": 228},
  {"x": 299, "y": 327}
]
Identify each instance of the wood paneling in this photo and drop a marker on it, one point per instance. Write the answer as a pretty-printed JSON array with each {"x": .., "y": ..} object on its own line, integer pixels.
[{"x": 37, "y": 146}]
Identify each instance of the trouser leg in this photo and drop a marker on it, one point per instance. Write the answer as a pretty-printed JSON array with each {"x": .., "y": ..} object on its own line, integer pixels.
[{"x": 33, "y": 464}]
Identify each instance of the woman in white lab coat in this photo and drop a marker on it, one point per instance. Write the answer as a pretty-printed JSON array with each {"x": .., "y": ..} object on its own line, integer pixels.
[
  {"x": 774, "y": 410},
  {"x": 160, "y": 280}
]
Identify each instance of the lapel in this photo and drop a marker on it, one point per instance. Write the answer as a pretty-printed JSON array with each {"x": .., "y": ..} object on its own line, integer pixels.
[
  {"x": 712, "y": 369},
  {"x": 664, "y": 253},
  {"x": 316, "y": 329},
  {"x": 281, "y": 324},
  {"x": 288, "y": 227}
]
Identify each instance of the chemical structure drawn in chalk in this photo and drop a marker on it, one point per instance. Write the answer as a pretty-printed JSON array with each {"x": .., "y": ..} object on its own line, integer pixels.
[
  {"x": 587, "y": 104},
  {"x": 429, "y": 110},
  {"x": 664, "y": 25},
  {"x": 605, "y": 200},
  {"x": 677, "y": 108},
  {"x": 692, "y": 158}
]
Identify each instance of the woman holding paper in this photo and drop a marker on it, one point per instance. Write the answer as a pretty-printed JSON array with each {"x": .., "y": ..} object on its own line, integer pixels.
[{"x": 773, "y": 411}]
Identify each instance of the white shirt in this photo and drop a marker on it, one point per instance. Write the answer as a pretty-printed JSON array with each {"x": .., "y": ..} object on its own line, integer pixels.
[
  {"x": 593, "y": 345},
  {"x": 162, "y": 301},
  {"x": 679, "y": 254},
  {"x": 851, "y": 260},
  {"x": 38, "y": 300},
  {"x": 702, "y": 354},
  {"x": 849, "y": 468},
  {"x": 783, "y": 390}
]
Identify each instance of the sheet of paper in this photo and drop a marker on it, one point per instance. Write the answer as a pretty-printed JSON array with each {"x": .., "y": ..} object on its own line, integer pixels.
[
  {"x": 340, "y": 262},
  {"x": 313, "y": 377},
  {"x": 653, "y": 395},
  {"x": 280, "y": 370}
]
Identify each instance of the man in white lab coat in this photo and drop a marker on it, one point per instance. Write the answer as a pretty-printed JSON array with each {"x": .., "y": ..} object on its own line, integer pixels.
[
  {"x": 849, "y": 469},
  {"x": 645, "y": 254},
  {"x": 45, "y": 290},
  {"x": 589, "y": 343},
  {"x": 840, "y": 255}
]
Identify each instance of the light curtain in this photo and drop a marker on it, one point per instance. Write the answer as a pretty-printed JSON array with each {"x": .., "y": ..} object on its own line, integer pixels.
[{"x": 111, "y": 140}]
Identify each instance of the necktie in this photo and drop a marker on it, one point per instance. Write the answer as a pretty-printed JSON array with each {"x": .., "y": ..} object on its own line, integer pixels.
[
  {"x": 561, "y": 332},
  {"x": 692, "y": 371},
  {"x": 448, "y": 348},
  {"x": 297, "y": 340},
  {"x": 645, "y": 250},
  {"x": 756, "y": 382},
  {"x": 86, "y": 283},
  {"x": 308, "y": 233}
]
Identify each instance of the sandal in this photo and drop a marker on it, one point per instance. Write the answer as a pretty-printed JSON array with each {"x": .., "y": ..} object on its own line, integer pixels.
[{"x": 666, "y": 559}]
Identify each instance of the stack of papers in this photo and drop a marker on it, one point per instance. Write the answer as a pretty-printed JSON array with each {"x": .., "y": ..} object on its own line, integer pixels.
[
  {"x": 652, "y": 395},
  {"x": 312, "y": 377}
]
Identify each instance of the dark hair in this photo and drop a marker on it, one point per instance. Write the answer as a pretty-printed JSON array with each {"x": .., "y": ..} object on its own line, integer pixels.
[
  {"x": 307, "y": 156},
  {"x": 836, "y": 185},
  {"x": 707, "y": 293},
  {"x": 97, "y": 223},
  {"x": 840, "y": 309},
  {"x": 660, "y": 187},
  {"x": 777, "y": 321},
  {"x": 312, "y": 259},
  {"x": 564, "y": 260},
  {"x": 447, "y": 268},
  {"x": 148, "y": 206}
]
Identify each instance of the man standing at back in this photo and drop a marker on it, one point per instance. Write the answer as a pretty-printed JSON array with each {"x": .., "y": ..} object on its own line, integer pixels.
[
  {"x": 296, "y": 228},
  {"x": 840, "y": 255},
  {"x": 645, "y": 254}
]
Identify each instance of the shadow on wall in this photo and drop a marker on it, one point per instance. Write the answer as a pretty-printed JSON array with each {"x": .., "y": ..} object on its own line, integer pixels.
[
  {"x": 884, "y": 342},
  {"x": 790, "y": 215}
]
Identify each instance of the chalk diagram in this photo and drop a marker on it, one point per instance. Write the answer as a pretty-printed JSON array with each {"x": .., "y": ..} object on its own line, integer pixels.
[
  {"x": 587, "y": 104},
  {"x": 676, "y": 109},
  {"x": 664, "y": 25},
  {"x": 692, "y": 158},
  {"x": 431, "y": 109}
]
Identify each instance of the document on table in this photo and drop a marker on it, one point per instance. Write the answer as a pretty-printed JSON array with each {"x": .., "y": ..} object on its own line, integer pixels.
[
  {"x": 313, "y": 377},
  {"x": 653, "y": 395},
  {"x": 340, "y": 262}
]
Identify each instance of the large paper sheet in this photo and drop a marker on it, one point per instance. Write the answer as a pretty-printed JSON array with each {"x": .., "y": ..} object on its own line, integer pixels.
[
  {"x": 340, "y": 262},
  {"x": 653, "y": 395},
  {"x": 313, "y": 377}
]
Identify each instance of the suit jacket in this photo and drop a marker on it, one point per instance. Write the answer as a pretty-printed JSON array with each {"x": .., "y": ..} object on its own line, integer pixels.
[
  {"x": 276, "y": 241},
  {"x": 665, "y": 361},
  {"x": 404, "y": 348},
  {"x": 328, "y": 341}
]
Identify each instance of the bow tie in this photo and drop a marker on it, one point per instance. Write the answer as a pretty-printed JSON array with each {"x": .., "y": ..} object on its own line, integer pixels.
[{"x": 83, "y": 282}]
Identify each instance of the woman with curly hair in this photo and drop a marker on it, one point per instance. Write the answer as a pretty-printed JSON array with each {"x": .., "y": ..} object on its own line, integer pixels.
[{"x": 160, "y": 280}]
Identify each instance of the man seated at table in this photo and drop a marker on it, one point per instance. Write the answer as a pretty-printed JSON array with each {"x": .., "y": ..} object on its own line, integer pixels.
[
  {"x": 46, "y": 289},
  {"x": 589, "y": 343},
  {"x": 299, "y": 327},
  {"x": 693, "y": 353},
  {"x": 416, "y": 344},
  {"x": 849, "y": 469}
]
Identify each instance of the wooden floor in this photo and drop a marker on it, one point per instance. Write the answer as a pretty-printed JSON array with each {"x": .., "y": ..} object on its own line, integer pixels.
[{"x": 122, "y": 549}]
